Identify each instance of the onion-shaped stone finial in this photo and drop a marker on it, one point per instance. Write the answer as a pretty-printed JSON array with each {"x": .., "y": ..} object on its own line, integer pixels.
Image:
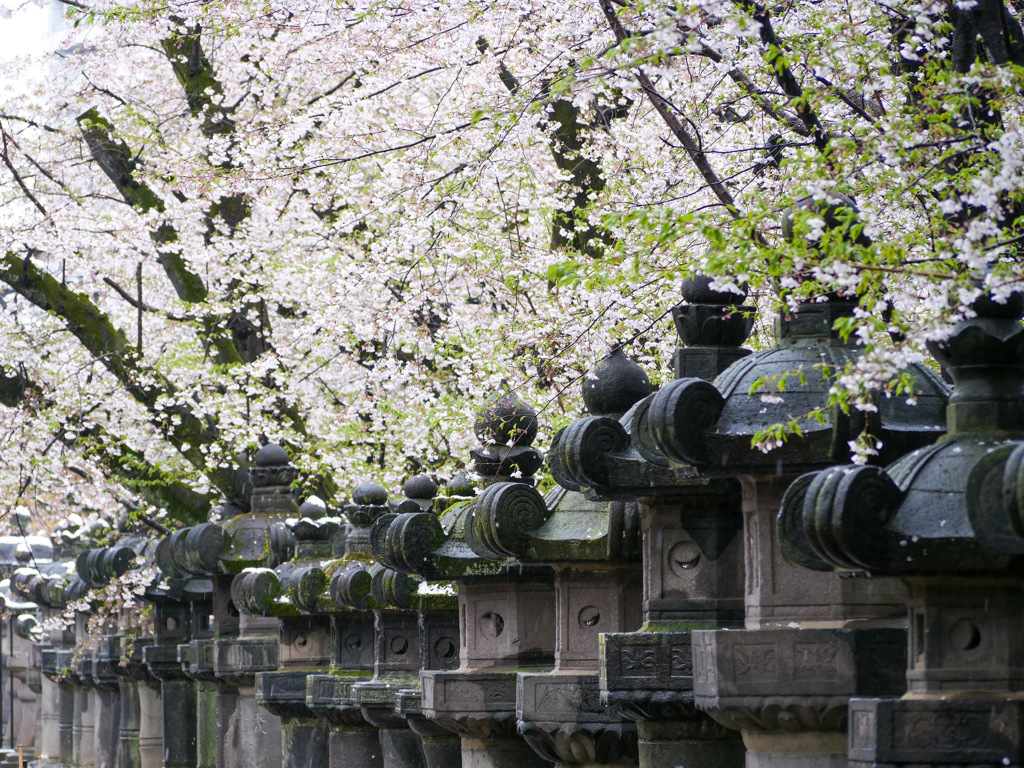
[
  {"x": 272, "y": 475},
  {"x": 271, "y": 455},
  {"x": 506, "y": 420},
  {"x": 615, "y": 384},
  {"x": 419, "y": 491},
  {"x": 711, "y": 318},
  {"x": 312, "y": 509},
  {"x": 698, "y": 290},
  {"x": 369, "y": 501},
  {"x": 420, "y": 487},
  {"x": 369, "y": 493}
]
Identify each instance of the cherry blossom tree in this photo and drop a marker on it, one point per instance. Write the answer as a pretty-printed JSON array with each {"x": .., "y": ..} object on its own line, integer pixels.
[{"x": 341, "y": 225}]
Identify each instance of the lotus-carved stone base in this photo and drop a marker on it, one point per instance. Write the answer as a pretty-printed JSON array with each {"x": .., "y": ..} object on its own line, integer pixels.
[{"x": 562, "y": 717}]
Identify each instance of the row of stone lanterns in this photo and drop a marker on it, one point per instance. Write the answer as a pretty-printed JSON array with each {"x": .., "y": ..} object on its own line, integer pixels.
[{"x": 679, "y": 598}]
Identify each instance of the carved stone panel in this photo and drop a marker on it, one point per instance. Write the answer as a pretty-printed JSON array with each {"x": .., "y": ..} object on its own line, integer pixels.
[
  {"x": 647, "y": 661},
  {"x": 795, "y": 679},
  {"x": 305, "y": 643},
  {"x": 936, "y": 732},
  {"x": 283, "y": 692},
  {"x": 330, "y": 698},
  {"x": 162, "y": 661},
  {"x": 439, "y": 640},
  {"x": 397, "y": 639},
  {"x": 474, "y": 704},
  {"x": 352, "y": 639},
  {"x": 966, "y": 636},
  {"x": 237, "y": 660},
  {"x": 197, "y": 660},
  {"x": 562, "y": 717},
  {"x": 561, "y": 697}
]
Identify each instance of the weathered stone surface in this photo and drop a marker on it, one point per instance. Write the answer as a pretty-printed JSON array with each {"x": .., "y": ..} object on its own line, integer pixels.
[
  {"x": 711, "y": 425},
  {"x": 945, "y": 517},
  {"x": 891, "y": 732}
]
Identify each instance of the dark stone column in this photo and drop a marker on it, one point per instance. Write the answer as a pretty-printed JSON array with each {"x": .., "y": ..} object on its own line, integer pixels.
[
  {"x": 66, "y": 721},
  {"x": 177, "y": 723},
  {"x": 108, "y": 707},
  {"x": 83, "y": 737},
  {"x": 129, "y": 721},
  {"x": 197, "y": 664}
]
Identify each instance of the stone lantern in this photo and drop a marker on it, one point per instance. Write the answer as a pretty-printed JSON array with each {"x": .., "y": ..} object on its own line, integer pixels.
[
  {"x": 416, "y": 630},
  {"x": 179, "y": 600},
  {"x": 183, "y": 655},
  {"x": 811, "y": 640},
  {"x": 290, "y": 592},
  {"x": 947, "y": 519},
  {"x": 506, "y": 610},
  {"x": 692, "y": 550},
  {"x": 244, "y": 645},
  {"x": 346, "y": 601}
]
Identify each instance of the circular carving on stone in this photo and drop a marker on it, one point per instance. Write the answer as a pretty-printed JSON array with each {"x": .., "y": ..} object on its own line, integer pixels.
[
  {"x": 491, "y": 625},
  {"x": 683, "y": 556},
  {"x": 353, "y": 642},
  {"x": 171, "y": 624},
  {"x": 399, "y": 645},
  {"x": 589, "y": 616},
  {"x": 965, "y": 635},
  {"x": 445, "y": 648},
  {"x": 301, "y": 641}
]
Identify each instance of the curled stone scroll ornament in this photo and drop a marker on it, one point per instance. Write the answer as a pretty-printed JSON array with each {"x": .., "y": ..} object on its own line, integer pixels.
[
  {"x": 556, "y": 464},
  {"x": 501, "y": 519},
  {"x": 414, "y": 537},
  {"x": 585, "y": 445},
  {"x": 640, "y": 434},
  {"x": 380, "y": 531},
  {"x": 203, "y": 545},
  {"x": 254, "y": 590},
  {"x": 305, "y": 585},
  {"x": 678, "y": 416},
  {"x": 790, "y": 524},
  {"x": 845, "y": 510},
  {"x": 1013, "y": 488},
  {"x": 351, "y": 586},
  {"x": 995, "y": 499},
  {"x": 393, "y": 588}
]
